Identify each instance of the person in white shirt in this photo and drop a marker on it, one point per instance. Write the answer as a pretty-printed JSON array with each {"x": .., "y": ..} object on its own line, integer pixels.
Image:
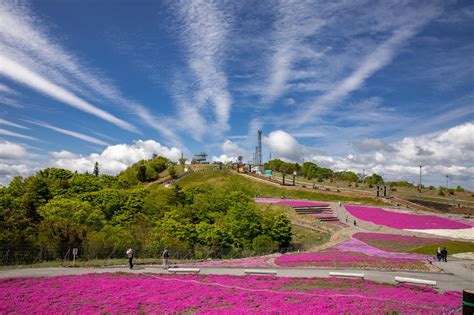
[{"x": 130, "y": 257}]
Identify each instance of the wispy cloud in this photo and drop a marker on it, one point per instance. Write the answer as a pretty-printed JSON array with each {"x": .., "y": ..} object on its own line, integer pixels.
[
  {"x": 370, "y": 64},
  {"x": 23, "y": 35},
  {"x": 6, "y": 90},
  {"x": 295, "y": 21},
  {"x": 17, "y": 72},
  {"x": 205, "y": 28},
  {"x": 5, "y": 132},
  {"x": 9, "y": 102},
  {"x": 11, "y": 124},
  {"x": 70, "y": 133}
]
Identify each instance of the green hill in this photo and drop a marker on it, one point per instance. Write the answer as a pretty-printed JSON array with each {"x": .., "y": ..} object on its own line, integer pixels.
[{"x": 254, "y": 188}]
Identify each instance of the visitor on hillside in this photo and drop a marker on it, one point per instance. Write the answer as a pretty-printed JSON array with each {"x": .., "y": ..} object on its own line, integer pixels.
[
  {"x": 166, "y": 256},
  {"x": 438, "y": 254},
  {"x": 355, "y": 223},
  {"x": 130, "y": 253},
  {"x": 444, "y": 254}
]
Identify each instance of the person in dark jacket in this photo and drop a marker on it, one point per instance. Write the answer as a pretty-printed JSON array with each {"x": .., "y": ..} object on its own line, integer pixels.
[
  {"x": 444, "y": 254},
  {"x": 166, "y": 256}
]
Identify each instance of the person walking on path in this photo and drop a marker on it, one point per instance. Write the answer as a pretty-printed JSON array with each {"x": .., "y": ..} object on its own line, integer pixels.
[
  {"x": 130, "y": 253},
  {"x": 444, "y": 254},
  {"x": 166, "y": 256}
]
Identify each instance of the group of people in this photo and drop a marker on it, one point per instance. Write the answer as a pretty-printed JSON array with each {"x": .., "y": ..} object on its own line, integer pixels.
[
  {"x": 165, "y": 254},
  {"x": 442, "y": 254}
]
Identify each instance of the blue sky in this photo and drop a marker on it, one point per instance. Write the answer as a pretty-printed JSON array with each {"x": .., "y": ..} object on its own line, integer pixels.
[{"x": 352, "y": 85}]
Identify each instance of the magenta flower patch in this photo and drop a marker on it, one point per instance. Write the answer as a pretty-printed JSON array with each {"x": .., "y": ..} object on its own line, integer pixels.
[
  {"x": 349, "y": 258},
  {"x": 354, "y": 245},
  {"x": 152, "y": 294},
  {"x": 403, "y": 220}
]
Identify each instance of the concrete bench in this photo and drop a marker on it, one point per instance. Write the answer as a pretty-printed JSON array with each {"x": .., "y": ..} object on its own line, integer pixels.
[
  {"x": 260, "y": 272},
  {"x": 415, "y": 281},
  {"x": 183, "y": 270},
  {"x": 347, "y": 274}
]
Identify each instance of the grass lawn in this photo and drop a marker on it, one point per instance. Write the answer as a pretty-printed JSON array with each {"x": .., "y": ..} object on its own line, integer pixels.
[
  {"x": 306, "y": 239},
  {"x": 453, "y": 247},
  {"x": 254, "y": 188}
]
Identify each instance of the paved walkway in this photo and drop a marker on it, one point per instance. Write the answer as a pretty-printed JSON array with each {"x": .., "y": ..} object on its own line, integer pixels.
[{"x": 457, "y": 278}]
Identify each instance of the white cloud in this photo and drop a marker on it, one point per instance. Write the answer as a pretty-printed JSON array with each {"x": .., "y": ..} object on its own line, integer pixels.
[
  {"x": 26, "y": 41},
  {"x": 283, "y": 145},
  {"x": 115, "y": 158},
  {"x": 224, "y": 158},
  {"x": 63, "y": 154},
  {"x": 5, "y": 89},
  {"x": 296, "y": 20},
  {"x": 205, "y": 31},
  {"x": 9, "y": 150},
  {"x": 15, "y": 134},
  {"x": 11, "y": 124},
  {"x": 231, "y": 148},
  {"x": 448, "y": 152},
  {"x": 372, "y": 144},
  {"x": 70, "y": 133},
  {"x": 22, "y": 75}
]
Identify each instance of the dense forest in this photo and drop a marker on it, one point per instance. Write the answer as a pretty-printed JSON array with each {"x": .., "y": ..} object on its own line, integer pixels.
[{"x": 56, "y": 210}]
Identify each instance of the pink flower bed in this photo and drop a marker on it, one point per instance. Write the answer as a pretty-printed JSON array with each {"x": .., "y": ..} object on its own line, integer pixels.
[
  {"x": 137, "y": 294},
  {"x": 354, "y": 245},
  {"x": 335, "y": 258},
  {"x": 403, "y": 220},
  {"x": 293, "y": 203},
  {"x": 243, "y": 262}
]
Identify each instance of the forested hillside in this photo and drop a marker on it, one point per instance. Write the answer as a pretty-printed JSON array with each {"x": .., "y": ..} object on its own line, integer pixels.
[{"x": 56, "y": 210}]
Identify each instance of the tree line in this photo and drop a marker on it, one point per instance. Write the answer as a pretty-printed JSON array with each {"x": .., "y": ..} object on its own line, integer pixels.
[
  {"x": 312, "y": 171},
  {"x": 101, "y": 214}
]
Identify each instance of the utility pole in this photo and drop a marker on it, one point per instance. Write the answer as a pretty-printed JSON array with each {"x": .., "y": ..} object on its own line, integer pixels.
[
  {"x": 421, "y": 166},
  {"x": 447, "y": 179}
]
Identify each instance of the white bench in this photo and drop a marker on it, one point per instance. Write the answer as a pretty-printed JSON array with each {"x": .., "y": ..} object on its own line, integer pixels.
[
  {"x": 347, "y": 274},
  {"x": 260, "y": 272},
  {"x": 415, "y": 281},
  {"x": 184, "y": 270}
]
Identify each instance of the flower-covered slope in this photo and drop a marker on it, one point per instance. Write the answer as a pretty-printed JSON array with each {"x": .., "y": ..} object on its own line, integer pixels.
[
  {"x": 403, "y": 220},
  {"x": 137, "y": 294}
]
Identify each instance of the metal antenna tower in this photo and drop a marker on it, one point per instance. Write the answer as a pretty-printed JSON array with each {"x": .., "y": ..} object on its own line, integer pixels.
[{"x": 259, "y": 148}]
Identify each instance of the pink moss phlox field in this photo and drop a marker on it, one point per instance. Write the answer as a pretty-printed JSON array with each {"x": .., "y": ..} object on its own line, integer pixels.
[
  {"x": 334, "y": 258},
  {"x": 243, "y": 262},
  {"x": 355, "y": 245},
  {"x": 403, "y": 220},
  {"x": 204, "y": 294},
  {"x": 293, "y": 203},
  {"x": 412, "y": 239}
]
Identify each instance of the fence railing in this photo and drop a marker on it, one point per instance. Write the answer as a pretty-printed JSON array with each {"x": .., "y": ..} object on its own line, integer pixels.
[{"x": 32, "y": 254}]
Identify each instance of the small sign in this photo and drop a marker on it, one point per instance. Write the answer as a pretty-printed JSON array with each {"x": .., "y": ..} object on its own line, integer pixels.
[{"x": 74, "y": 251}]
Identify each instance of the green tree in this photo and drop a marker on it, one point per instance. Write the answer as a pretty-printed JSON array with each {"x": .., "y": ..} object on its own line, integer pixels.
[
  {"x": 172, "y": 171},
  {"x": 374, "y": 179},
  {"x": 141, "y": 173},
  {"x": 96, "y": 169}
]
